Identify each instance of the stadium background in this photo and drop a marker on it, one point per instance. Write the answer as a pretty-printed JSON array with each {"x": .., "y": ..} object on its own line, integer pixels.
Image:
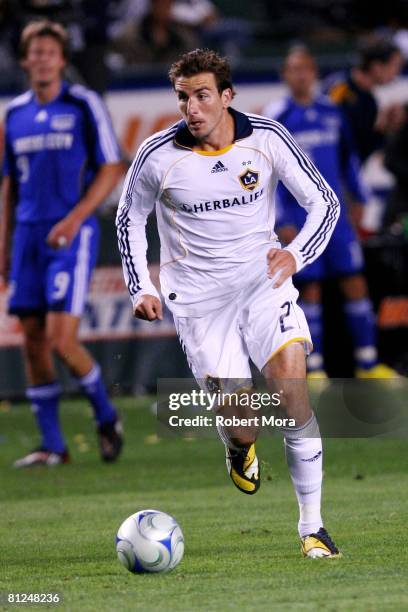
[{"x": 134, "y": 353}]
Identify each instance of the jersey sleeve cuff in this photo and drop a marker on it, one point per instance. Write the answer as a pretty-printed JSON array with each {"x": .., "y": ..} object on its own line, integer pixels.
[{"x": 147, "y": 291}]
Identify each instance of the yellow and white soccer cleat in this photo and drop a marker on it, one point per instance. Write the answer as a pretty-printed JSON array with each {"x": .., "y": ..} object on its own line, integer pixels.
[
  {"x": 319, "y": 545},
  {"x": 243, "y": 468},
  {"x": 378, "y": 371}
]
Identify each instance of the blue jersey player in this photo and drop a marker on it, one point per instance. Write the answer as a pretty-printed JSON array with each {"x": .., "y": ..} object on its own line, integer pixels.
[
  {"x": 61, "y": 161},
  {"x": 322, "y": 131}
]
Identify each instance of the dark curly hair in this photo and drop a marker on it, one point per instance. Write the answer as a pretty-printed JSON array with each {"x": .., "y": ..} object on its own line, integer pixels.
[{"x": 203, "y": 60}]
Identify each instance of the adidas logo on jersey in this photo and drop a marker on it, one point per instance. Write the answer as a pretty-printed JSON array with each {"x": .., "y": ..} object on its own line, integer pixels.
[{"x": 219, "y": 167}]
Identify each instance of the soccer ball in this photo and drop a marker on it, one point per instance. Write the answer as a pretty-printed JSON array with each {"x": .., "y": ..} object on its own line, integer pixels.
[{"x": 150, "y": 541}]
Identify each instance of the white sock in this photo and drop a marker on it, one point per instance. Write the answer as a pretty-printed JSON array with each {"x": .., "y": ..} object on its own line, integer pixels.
[{"x": 304, "y": 459}]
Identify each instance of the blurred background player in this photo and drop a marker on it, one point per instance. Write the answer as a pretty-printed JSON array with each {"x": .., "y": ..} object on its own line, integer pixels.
[
  {"x": 322, "y": 131},
  {"x": 380, "y": 61},
  {"x": 396, "y": 160},
  {"x": 61, "y": 161}
]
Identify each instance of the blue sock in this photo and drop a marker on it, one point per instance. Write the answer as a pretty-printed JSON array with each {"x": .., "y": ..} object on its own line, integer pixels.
[
  {"x": 361, "y": 322},
  {"x": 94, "y": 388},
  {"x": 314, "y": 316},
  {"x": 44, "y": 401}
]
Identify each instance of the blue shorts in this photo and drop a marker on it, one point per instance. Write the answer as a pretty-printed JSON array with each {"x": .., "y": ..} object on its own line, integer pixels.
[
  {"x": 343, "y": 256},
  {"x": 44, "y": 279}
]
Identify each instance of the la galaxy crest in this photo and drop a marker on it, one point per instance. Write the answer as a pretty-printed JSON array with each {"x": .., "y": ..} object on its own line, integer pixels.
[{"x": 249, "y": 179}]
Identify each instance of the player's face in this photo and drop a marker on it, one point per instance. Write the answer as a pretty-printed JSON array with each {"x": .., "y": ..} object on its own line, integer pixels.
[
  {"x": 44, "y": 61},
  {"x": 300, "y": 74},
  {"x": 201, "y": 104}
]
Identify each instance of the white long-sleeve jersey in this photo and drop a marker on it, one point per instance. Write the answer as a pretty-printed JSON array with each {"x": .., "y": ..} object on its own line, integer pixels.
[{"x": 216, "y": 212}]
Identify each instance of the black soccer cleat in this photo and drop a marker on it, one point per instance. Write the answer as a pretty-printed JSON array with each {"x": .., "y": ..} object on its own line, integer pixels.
[{"x": 110, "y": 440}]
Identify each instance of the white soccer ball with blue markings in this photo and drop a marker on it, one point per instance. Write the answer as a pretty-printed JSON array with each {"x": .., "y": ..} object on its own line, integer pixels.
[{"x": 150, "y": 541}]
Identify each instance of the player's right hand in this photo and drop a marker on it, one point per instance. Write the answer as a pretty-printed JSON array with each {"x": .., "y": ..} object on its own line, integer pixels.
[{"x": 148, "y": 308}]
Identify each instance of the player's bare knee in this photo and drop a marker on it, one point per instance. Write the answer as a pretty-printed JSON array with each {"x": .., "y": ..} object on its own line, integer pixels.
[
  {"x": 287, "y": 365},
  {"x": 62, "y": 346}
]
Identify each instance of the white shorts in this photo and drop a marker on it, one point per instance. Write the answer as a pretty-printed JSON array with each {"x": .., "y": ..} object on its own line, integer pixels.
[{"x": 218, "y": 344}]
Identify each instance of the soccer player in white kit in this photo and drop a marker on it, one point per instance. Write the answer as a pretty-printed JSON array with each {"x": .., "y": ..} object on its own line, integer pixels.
[{"x": 224, "y": 276}]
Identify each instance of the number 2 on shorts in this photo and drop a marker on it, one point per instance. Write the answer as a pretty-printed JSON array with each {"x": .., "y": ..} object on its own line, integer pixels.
[{"x": 286, "y": 308}]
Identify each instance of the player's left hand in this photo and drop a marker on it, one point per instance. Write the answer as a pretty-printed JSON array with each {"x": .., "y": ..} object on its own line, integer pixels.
[
  {"x": 281, "y": 265},
  {"x": 63, "y": 232}
]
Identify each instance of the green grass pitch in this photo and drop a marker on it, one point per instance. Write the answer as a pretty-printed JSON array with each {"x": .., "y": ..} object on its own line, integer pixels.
[{"x": 58, "y": 524}]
